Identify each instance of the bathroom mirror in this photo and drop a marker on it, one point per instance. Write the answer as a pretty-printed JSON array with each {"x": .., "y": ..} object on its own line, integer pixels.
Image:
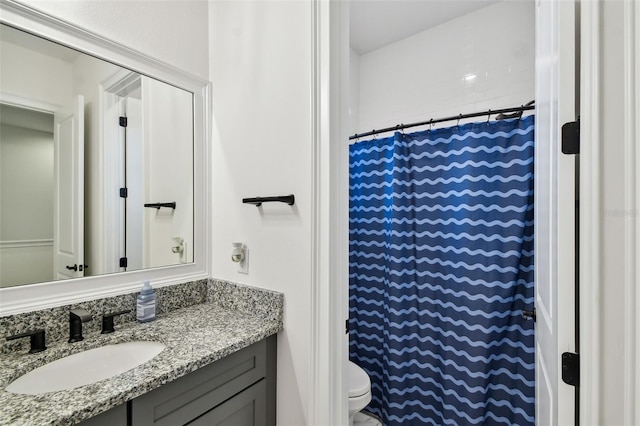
[
  {"x": 106, "y": 185},
  {"x": 102, "y": 175}
]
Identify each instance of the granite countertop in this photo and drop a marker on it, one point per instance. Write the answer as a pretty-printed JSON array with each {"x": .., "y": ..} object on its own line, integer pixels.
[{"x": 194, "y": 337}]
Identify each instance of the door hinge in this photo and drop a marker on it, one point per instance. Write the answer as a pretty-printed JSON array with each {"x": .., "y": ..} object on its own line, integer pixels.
[
  {"x": 124, "y": 192},
  {"x": 123, "y": 262},
  {"x": 123, "y": 121},
  {"x": 571, "y": 368},
  {"x": 571, "y": 137}
]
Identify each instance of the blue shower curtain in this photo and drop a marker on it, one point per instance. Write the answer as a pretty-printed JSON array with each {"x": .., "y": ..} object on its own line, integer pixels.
[{"x": 440, "y": 270}]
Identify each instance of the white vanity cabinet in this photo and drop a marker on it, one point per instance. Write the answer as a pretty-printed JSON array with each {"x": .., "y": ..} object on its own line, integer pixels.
[{"x": 239, "y": 390}]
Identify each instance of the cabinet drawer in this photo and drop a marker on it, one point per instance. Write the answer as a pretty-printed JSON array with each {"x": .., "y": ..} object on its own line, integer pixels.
[
  {"x": 248, "y": 408},
  {"x": 185, "y": 399}
]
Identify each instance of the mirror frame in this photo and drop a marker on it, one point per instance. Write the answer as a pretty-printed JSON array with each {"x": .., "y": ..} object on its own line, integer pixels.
[{"x": 30, "y": 297}]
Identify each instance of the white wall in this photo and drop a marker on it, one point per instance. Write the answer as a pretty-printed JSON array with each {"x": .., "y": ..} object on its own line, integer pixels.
[
  {"x": 354, "y": 92},
  {"x": 34, "y": 76},
  {"x": 172, "y": 31},
  {"x": 27, "y": 183},
  {"x": 260, "y": 54},
  {"x": 423, "y": 76},
  {"x": 26, "y": 205},
  {"x": 168, "y": 142}
]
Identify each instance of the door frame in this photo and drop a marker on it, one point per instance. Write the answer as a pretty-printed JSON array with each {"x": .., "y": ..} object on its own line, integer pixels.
[
  {"x": 110, "y": 93},
  {"x": 327, "y": 392},
  {"x": 599, "y": 255},
  {"x": 32, "y": 104},
  {"x": 590, "y": 213}
]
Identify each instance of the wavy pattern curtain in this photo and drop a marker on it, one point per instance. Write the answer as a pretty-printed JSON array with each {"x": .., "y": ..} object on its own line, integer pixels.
[{"x": 441, "y": 268}]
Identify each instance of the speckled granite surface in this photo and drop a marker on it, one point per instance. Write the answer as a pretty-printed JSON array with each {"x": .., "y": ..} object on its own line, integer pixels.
[
  {"x": 233, "y": 317},
  {"x": 55, "y": 321},
  {"x": 246, "y": 298}
]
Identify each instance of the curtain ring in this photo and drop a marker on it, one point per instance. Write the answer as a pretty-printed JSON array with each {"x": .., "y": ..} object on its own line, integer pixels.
[
  {"x": 459, "y": 117},
  {"x": 402, "y": 128},
  {"x": 431, "y": 124},
  {"x": 375, "y": 135},
  {"x": 489, "y": 116}
]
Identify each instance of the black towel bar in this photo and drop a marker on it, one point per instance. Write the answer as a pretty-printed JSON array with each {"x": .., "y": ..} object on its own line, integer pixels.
[
  {"x": 257, "y": 201},
  {"x": 171, "y": 205}
]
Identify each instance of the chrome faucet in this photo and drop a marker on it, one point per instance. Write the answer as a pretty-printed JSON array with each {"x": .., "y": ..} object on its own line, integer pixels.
[{"x": 76, "y": 318}]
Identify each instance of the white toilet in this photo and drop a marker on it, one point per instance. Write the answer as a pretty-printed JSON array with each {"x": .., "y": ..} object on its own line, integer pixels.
[{"x": 359, "y": 390}]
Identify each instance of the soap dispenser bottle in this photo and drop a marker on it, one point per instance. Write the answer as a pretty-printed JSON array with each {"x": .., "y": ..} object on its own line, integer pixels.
[{"x": 146, "y": 304}]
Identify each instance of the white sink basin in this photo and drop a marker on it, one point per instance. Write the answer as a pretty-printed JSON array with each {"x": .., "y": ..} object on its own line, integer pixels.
[{"x": 85, "y": 367}]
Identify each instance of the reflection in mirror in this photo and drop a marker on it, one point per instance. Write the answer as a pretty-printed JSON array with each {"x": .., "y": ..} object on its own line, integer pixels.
[{"x": 85, "y": 145}]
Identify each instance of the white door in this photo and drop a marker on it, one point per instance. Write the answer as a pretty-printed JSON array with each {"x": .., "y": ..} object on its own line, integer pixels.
[
  {"x": 68, "y": 212},
  {"x": 554, "y": 210}
]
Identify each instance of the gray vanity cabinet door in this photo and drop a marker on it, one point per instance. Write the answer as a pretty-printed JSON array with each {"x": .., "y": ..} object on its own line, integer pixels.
[
  {"x": 248, "y": 408},
  {"x": 190, "y": 397}
]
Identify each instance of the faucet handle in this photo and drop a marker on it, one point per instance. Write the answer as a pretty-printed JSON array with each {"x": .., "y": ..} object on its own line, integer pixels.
[
  {"x": 107, "y": 321},
  {"x": 81, "y": 314},
  {"x": 37, "y": 339}
]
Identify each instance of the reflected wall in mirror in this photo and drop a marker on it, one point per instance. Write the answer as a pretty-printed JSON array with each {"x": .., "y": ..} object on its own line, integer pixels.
[{"x": 84, "y": 146}]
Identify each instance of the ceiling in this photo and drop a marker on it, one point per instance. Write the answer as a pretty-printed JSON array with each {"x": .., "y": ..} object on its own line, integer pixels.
[{"x": 376, "y": 23}]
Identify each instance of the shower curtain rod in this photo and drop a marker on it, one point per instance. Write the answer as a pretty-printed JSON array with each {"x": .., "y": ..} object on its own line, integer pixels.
[{"x": 500, "y": 114}]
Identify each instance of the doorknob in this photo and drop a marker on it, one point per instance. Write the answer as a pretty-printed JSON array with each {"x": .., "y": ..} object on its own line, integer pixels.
[
  {"x": 529, "y": 315},
  {"x": 77, "y": 267}
]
